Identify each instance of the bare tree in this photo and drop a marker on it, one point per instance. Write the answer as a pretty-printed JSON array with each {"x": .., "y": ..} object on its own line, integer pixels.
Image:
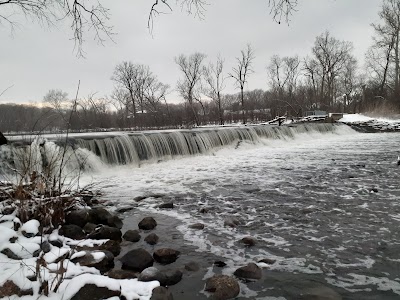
[
  {"x": 189, "y": 87},
  {"x": 282, "y": 9},
  {"x": 215, "y": 83},
  {"x": 124, "y": 74},
  {"x": 383, "y": 58},
  {"x": 81, "y": 15},
  {"x": 284, "y": 73},
  {"x": 58, "y": 100},
  {"x": 137, "y": 88},
  {"x": 241, "y": 72},
  {"x": 331, "y": 56}
]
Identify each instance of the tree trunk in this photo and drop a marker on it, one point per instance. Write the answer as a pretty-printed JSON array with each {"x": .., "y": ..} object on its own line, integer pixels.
[
  {"x": 221, "y": 115},
  {"x": 242, "y": 100}
]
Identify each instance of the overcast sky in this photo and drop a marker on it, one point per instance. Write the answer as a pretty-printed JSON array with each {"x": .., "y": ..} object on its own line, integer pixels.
[{"x": 36, "y": 59}]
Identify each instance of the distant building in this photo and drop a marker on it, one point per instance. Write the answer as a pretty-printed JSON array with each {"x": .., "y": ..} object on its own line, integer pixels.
[{"x": 316, "y": 113}]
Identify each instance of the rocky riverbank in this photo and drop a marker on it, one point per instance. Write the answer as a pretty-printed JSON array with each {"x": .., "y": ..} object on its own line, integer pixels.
[{"x": 96, "y": 254}]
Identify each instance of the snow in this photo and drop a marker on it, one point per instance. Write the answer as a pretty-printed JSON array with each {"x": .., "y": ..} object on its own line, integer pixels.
[
  {"x": 74, "y": 276},
  {"x": 352, "y": 118},
  {"x": 359, "y": 118},
  {"x": 31, "y": 227}
]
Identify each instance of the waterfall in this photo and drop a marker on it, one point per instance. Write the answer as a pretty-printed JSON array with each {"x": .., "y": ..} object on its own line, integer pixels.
[
  {"x": 89, "y": 152},
  {"x": 154, "y": 146}
]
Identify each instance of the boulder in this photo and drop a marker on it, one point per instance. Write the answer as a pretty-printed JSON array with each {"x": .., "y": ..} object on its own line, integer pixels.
[
  {"x": 56, "y": 243},
  {"x": 45, "y": 246},
  {"x": 161, "y": 293},
  {"x": 72, "y": 231},
  {"x": 169, "y": 205},
  {"x": 100, "y": 215},
  {"x": 30, "y": 228},
  {"x": 147, "y": 223},
  {"x": 151, "y": 274},
  {"x": 113, "y": 246},
  {"x": 89, "y": 227},
  {"x": 137, "y": 260},
  {"x": 231, "y": 222},
  {"x": 172, "y": 277},
  {"x": 132, "y": 236},
  {"x": 192, "y": 266},
  {"x": 251, "y": 271},
  {"x": 78, "y": 217},
  {"x": 105, "y": 232},
  {"x": 7, "y": 252},
  {"x": 268, "y": 261},
  {"x": 115, "y": 221},
  {"x": 121, "y": 274},
  {"x": 165, "y": 255},
  {"x": 248, "y": 241},
  {"x": 219, "y": 264},
  {"x": 9, "y": 288},
  {"x": 3, "y": 140},
  {"x": 320, "y": 293},
  {"x": 151, "y": 239},
  {"x": 94, "y": 292},
  {"x": 197, "y": 226},
  {"x": 101, "y": 260},
  {"x": 223, "y": 287}
]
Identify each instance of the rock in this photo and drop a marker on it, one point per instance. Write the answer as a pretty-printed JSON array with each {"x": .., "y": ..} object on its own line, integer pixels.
[
  {"x": 93, "y": 292},
  {"x": 204, "y": 210},
  {"x": 166, "y": 255},
  {"x": 99, "y": 215},
  {"x": 151, "y": 239},
  {"x": 132, "y": 236},
  {"x": 166, "y": 205},
  {"x": 56, "y": 243},
  {"x": 8, "y": 210},
  {"x": 30, "y": 228},
  {"x": 161, "y": 293},
  {"x": 137, "y": 260},
  {"x": 223, "y": 287},
  {"x": 78, "y": 217},
  {"x": 101, "y": 260},
  {"x": 248, "y": 241},
  {"x": 151, "y": 274},
  {"x": 124, "y": 209},
  {"x": 9, "y": 288},
  {"x": 106, "y": 232},
  {"x": 231, "y": 222},
  {"x": 219, "y": 264},
  {"x": 45, "y": 246},
  {"x": 198, "y": 226},
  {"x": 113, "y": 246},
  {"x": 3, "y": 140},
  {"x": 251, "y": 271},
  {"x": 89, "y": 228},
  {"x": 268, "y": 261},
  {"x": 320, "y": 293},
  {"x": 7, "y": 252},
  {"x": 140, "y": 198},
  {"x": 121, "y": 274},
  {"x": 147, "y": 223},
  {"x": 72, "y": 231},
  {"x": 373, "y": 190},
  {"x": 172, "y": 277},
  {"x": 115, "y": 221},
  {"x": 192, "y": 266}
]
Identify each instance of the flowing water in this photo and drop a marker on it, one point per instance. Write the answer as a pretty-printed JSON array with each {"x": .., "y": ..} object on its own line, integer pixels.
[{"x": 325, "y": 205}]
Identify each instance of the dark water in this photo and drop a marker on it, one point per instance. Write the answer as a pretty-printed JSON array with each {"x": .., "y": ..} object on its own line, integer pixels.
[{"x": 325, "y": 207}]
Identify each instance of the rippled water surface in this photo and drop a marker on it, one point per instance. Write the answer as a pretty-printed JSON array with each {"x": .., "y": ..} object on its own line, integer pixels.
[{"x": 326, "y": 207}]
